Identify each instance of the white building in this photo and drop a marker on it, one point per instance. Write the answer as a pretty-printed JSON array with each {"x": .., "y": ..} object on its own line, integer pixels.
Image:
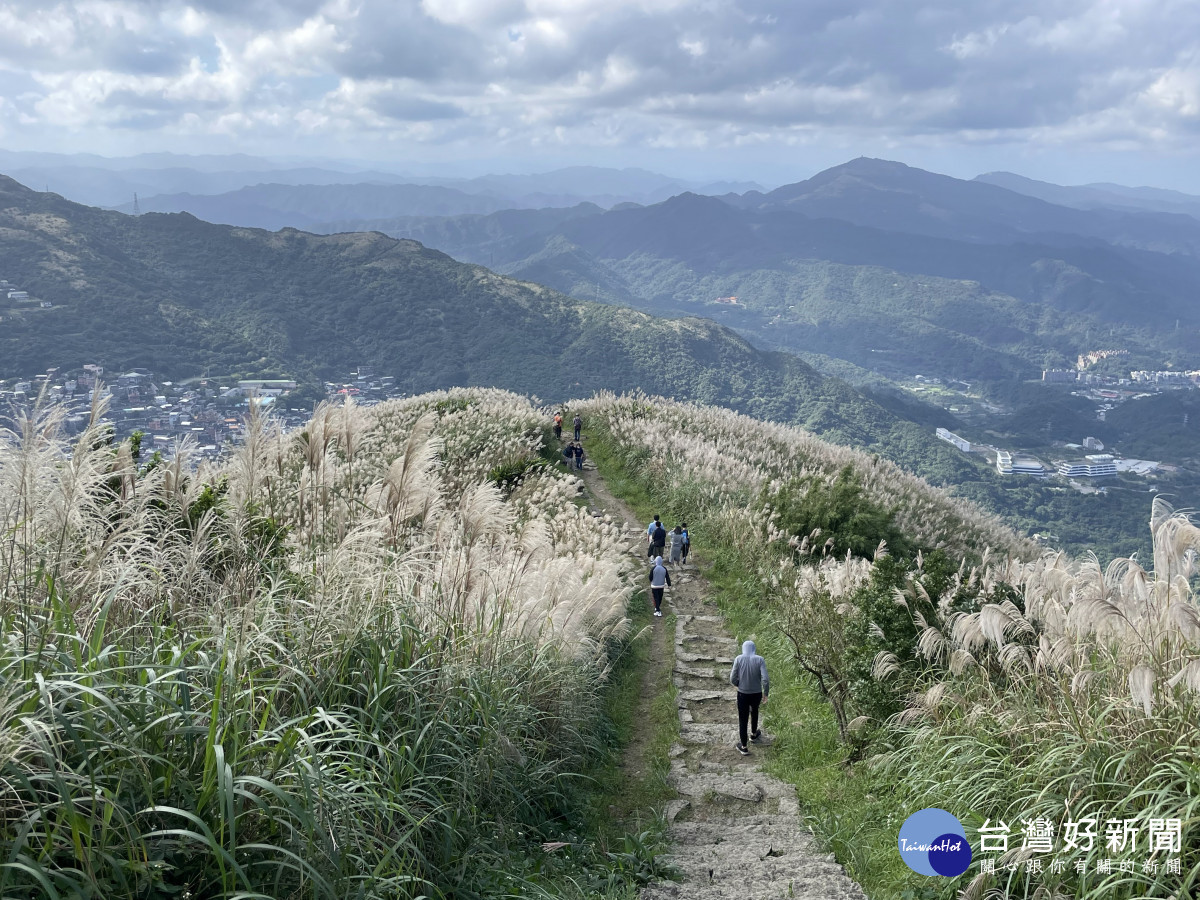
[
  {"x": 1024, "y": 465},
  {"x": 1004, "y": 462},
  {"x": 951, "y": 438},
  {"x": 1092, "y": 443},
  {"x": 1098, "y": 465}
]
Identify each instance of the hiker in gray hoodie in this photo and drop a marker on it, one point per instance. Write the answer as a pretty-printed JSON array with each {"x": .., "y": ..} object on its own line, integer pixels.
[
  {"x": 660, "y": 579},
  {"x": 749, "y": 676}
]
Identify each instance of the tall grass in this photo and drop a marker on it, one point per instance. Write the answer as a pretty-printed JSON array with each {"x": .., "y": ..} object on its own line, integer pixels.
[
  {"x": 342, "y": 664},
  {"x": 1028, "y": 684},
  {"x": 1081, "y": 701}
]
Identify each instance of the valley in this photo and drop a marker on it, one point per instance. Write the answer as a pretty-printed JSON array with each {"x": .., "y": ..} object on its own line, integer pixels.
[{"x": 869, "y": 336}]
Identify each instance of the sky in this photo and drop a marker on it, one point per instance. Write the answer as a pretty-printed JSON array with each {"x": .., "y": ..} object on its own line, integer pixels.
[{"x": 1070, "y": 91}]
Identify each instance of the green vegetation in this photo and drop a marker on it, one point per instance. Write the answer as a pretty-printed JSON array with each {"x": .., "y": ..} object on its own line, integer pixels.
[
  {"x": 183, "y": 297},
  {"x": 635, "y": 796},
  {"x": 998, "y": 684},
  {"x": 342, "y": 665},
  {"x": 848, "y": 804}
]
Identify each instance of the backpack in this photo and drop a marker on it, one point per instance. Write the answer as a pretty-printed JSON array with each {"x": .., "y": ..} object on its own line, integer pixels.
[{"x": 660, "y": 535}]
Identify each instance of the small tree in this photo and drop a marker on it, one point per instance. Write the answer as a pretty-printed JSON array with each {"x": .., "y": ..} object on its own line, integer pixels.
[{"x": 813, "y": 612}]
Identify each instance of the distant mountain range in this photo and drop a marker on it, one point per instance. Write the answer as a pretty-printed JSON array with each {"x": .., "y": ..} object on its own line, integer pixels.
[
  {"x": 184, "y": 297},
  {"x": 175, "y": 183},
  {"x": 1099, "y": 196},
  {"x": 886, "y": 267},
  {"x": 868, "y": 267}
]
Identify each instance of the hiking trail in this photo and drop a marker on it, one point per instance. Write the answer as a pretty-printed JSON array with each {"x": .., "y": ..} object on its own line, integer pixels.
[{"x": 736, "y": 831}]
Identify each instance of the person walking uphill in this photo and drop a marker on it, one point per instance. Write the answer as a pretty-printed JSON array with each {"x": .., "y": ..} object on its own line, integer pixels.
[
  {"x": 578, "y": 423},
  {"x": 660, "y": 579},
  {"x": 749, "y": 676}
]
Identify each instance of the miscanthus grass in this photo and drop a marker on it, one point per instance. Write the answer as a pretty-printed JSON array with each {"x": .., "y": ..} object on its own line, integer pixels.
[
  {"x": 342, "y": 664},
  {"x": 1031, "y": 685},
  {"x": 1079, "y": 700},
  {"x": 727, "y": 467}
]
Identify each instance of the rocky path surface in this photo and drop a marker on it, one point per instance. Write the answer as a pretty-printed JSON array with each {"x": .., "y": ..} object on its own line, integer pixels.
[{"x": 736, "y": 830}]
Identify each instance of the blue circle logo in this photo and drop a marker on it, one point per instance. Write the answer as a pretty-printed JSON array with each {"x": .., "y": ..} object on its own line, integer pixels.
[{"x": 933, "y": 842}]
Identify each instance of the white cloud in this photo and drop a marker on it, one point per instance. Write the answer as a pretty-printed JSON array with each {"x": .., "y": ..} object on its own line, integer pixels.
[
  {"x": 584, "y": 73},
  {"x": 1176, "y": 92}
]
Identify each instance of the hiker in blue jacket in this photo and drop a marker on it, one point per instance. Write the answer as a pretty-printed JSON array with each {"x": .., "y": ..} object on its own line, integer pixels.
[
  {"x": 660, "y": 579},
  {"x": 749, "y": 676},
  {"x": 649, "y": 537}
]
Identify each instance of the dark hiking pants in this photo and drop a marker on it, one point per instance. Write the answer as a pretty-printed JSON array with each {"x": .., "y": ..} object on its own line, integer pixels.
[{"x": 748, "y": 709}]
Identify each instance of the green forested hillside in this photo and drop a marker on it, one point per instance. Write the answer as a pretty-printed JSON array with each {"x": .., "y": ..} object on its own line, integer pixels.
[
  {"x": 889, "y": 268},
  {"x": 184, "y": 297}
]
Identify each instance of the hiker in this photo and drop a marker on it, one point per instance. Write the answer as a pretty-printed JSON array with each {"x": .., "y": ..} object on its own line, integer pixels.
[
  {"x": 660, "y": 579},
  {"x": 558, "y": 426},
  {"x": 658, "y": 540},
  {"x": 650, "y": 537},
  {"x": 579, "y": 454},
  {"x": 568, "y": 453},
  {"x": 578, "y": 423},
  {"x": 687, "y": 542},
  {"x": 676, "y": 544},
  {"x": 749, "y": 676}
]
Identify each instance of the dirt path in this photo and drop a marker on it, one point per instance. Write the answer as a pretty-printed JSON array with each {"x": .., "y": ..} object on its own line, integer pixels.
[
  {"x": 736, "y": 830},
  {"x": 635, "y": 761}
]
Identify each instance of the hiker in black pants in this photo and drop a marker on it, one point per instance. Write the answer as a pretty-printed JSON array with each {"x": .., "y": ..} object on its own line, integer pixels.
[
  {"x": 749, "y": 676},
  {"x": 660, "y": 579},
  {"x": 578, "y": 423},
  {"x": 650, "y": 535},
  {"x": 658, "y": 540},
  {"x": 687, "y": 542}
]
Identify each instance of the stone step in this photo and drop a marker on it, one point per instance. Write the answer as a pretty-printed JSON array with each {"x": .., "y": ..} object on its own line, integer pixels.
[
  {"x": 701, "y": 696},
  {"x": 695, "y": 671},
  {"x": 745, "y": 785}
]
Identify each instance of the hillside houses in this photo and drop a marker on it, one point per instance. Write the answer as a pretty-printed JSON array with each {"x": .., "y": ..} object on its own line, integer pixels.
[{"x": 165, "y": 412}]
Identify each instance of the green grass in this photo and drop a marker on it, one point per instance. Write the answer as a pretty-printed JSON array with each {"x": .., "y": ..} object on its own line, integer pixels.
[
  {"x": 622, "y": 482},
  {"x": 636, "y": 802},
  {"x": 853, "y": 813},
  {"x": 625, "y": 823}
]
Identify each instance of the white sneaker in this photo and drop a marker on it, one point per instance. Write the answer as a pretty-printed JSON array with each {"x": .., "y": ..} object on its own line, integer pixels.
[{"x": 658, "y": 613}]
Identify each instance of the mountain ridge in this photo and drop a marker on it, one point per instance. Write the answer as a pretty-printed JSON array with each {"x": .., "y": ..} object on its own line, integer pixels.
[
  {"x": 184, "y": 297},
  {"x": 1013, "y": 304}
]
